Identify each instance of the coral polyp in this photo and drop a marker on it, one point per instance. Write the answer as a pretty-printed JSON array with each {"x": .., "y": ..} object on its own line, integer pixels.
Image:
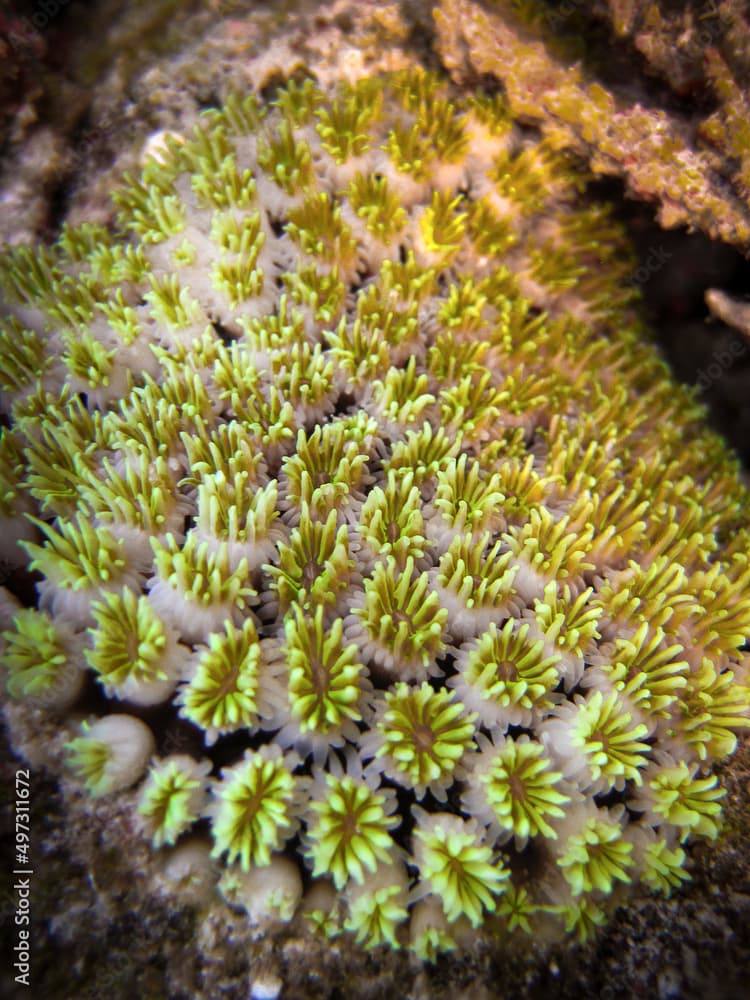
[{"x": 345, "y": 457}]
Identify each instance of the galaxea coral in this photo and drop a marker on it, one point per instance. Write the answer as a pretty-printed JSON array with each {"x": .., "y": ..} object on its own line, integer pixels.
[{"x": 349, "y": 451}]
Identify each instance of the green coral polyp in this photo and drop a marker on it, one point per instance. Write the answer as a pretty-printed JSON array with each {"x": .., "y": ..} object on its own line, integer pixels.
[
  {"x": 377, "y": 205},
  {"x": 675, "y": 795},
  {"x": 133, "y": 653},
  {"x": 349, "y": 828},
  {"x": 327, "y": 471},
  {"x": 110, "y": 754},
  {"x": 79, "y": 561},
  {"x": 230, "y": 684},
  {"x": 422, "y": 736},
  {"x": 43, "y": 660},
  {"x": 138, "y": 503},
  {"x": 172, "y": 798},
  {"x": 286, "y": 161},
  {"x": 379, "y": 908},
  {"x": 506, "y": 676},
  {"x": 476, "y": 580},
  {"x": 458, "y": 866},
  {"x": 326, "y": 679},
  {"x": 465, "y": 502},
  {"x": 391, "y": 522},
  {"x": 315, "y": 566},
  {"x": 664, "y": 868},
  {"x": 596, "y": 857},
  {"x": 516, "y": 790},
  {"x": 196, "y": 587},
  {"x": 343, "y": 455},
  {"x": 600, "y": 741},
  {"x": 402, "y": 623},
  {"x": 252, "y": 811},
  {"x": 23, "y": 357}
]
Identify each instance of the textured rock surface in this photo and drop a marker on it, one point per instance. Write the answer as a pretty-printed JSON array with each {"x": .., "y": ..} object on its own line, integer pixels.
[{"x": 672, "y": 123}]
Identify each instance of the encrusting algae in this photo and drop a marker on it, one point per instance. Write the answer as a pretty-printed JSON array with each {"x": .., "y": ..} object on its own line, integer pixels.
[{"x": 349, "y": 446}]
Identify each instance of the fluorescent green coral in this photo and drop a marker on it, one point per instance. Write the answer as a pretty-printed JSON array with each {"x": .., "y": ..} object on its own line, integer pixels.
[
  {"x": 172, "y": 798},
  {"x": 349, "y": 829},
  {"x": 228, "y": 686},
  {"x": 391, "y": 521},
  {"x": 678, "y": 797},
  {"x": 374, "y": 918},
  {"x": 200, "y": 576},
  {"x": 377, "y": 205},
  {"x": 110, "y": 754},
  {"x": 402, "y": 620},
  {"x": 424, "y": 734},
  {"x": 326, "y": 470},
  {"x": 315, "y": 565},
  {"x": 285, "y": 159},
  {"x": 325, "y": 675},
  {"x": 519, "y": 790},
  {"x": 89, "y": 759},
  {"x": 42, "y": 659},
  {"x": 344, "y": 459},
  {"x": 603, "y": 740},
  {"x": 465, "y": 501},
  {"x": 507, "y": 675},
  {"x": 459, "y": 868},
  {"x": 379, "y": 908},
  {"x": 253, "y": 809},
  {"x": 664, "y": 867},
  {"x": 24, "y": 357},
  {"x": 130, "y": 651},
  {"x": 78, "y": 555},
  {"x": 517, "y": 909},
  {"x": 596, "y": 857}
]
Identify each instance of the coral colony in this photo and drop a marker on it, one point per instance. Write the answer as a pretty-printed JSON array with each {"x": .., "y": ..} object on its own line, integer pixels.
[{"x": 348, "y": 449}]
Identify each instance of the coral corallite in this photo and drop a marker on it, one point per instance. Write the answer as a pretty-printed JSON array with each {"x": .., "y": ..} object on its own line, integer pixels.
[{"x": 346, "y": 455}]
